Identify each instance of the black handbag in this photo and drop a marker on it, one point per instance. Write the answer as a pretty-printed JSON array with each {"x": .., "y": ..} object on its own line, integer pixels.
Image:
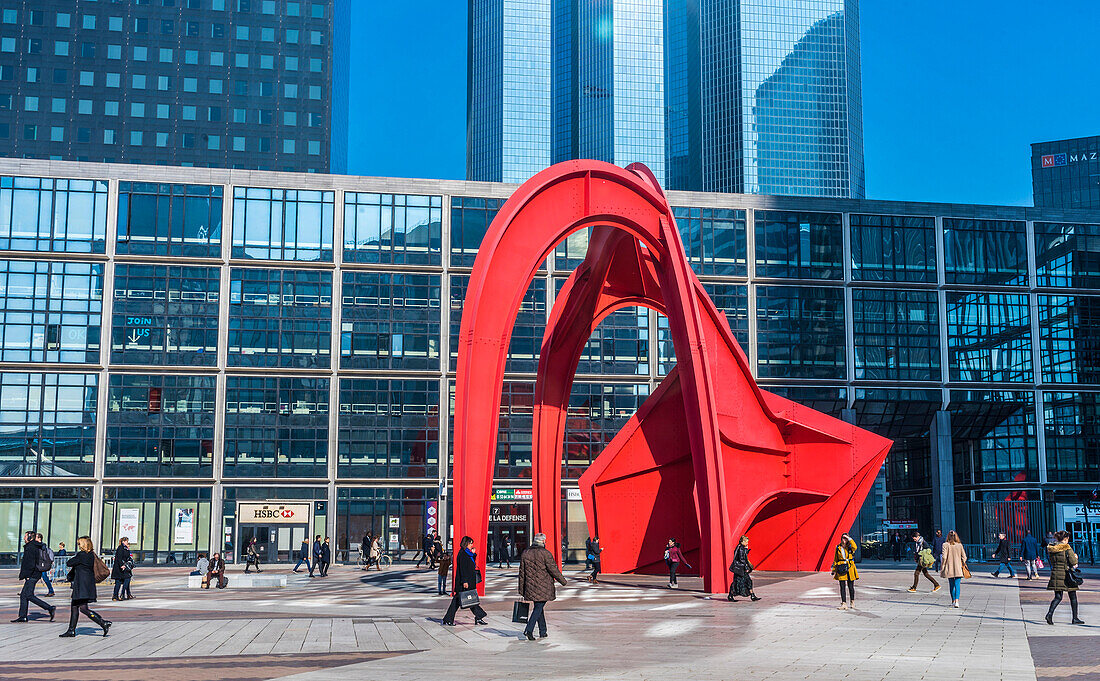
[
  {"x": 468, "y": 599},
  {"x": 1074, "y": 576},
  {"x": 520, "y": 611}
]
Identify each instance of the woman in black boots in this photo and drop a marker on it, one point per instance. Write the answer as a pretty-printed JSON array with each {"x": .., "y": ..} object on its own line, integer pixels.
[
  {"x": 82, "y": 580},
  {"x": 1062, "y": 559},
  {"x": 742, "y": 571}
]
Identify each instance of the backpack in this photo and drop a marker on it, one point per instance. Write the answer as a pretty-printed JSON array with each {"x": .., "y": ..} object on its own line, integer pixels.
[
  {"x": 44, "y": 563},
  {"x": 925, "y": 558}
]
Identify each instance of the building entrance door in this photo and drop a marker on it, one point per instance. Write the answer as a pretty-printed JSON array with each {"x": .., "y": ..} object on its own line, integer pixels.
[
  {"x": 278, "y": 528},
  {"x": 509, "y": 531}
]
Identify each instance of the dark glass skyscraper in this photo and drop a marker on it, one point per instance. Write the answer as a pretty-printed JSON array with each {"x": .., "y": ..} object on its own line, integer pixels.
[
  {"x": 748, "y": 96},
  {"x": 259, "y": 84},
  {"x": 1066, "y": 173}
]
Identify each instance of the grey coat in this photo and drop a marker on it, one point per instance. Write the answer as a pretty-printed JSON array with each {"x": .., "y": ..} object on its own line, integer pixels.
[{"x": 537, "y": 573}]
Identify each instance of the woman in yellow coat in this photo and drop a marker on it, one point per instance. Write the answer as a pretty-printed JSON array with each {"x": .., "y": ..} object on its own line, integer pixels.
[{"x": 844, "y": 571}]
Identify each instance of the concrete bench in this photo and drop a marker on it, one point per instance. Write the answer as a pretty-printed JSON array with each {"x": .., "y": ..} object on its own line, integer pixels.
[{"x": 238, "y": 580}]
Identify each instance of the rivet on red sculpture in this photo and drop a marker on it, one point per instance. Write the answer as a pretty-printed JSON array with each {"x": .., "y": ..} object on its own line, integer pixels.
[{"x": 708, "y": 457}]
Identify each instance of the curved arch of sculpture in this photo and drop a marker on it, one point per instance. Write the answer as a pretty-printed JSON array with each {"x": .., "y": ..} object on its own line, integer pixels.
[{"x": 747, "y": 460}]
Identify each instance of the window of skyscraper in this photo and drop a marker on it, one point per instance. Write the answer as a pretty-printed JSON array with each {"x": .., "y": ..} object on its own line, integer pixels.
[
  {"x": 160, "y": 425},
  {"x": 1072, "y": 423},
  {"x": 523, "y": 349},
  {"x": 165, "y": 315},
  {"x": 169, "y": 219},
  {"x": 1069, "y": 339},
  {"x": 390, "y": 321},
  {"x": 1065, "y": 254},
  {"x": 280, "y": 318},
  {"x": 397, "y": 229},
  {"x": 993, "y": 436},
  {"x": 276, "y": 427},
  {"x": 731, "y": 299},
  {"x": 50, "y": 311},
  {"x": 984, "y": 252},
  {"x": 597, "y": 411},
  {"x": 470, "y": 218},
  {"x": 714, "y": 239},
  {"x": 53, "y": 215},
  {"x": 282, "y": 224},
  {"x": 49, "y": 424},
  {"x": 988, "y": 337},
  {"x": 893, "y": 248},
  {"x": 389, "y": 428},
  {"x": 798, "y": 245},
  {"x": 897, "y": 335},
  {"x": 800, "y": 332}
]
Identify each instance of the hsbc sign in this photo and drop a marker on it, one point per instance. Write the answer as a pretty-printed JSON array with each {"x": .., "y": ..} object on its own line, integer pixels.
[
  {"x": 273, "y": 514},
  {"x": 1064, "y": 159}
]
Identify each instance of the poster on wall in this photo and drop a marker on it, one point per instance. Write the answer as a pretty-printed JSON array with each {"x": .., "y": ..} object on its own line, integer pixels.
[
  {"x": 128, "y": 519},
  {"x": 185, "y": 526}
]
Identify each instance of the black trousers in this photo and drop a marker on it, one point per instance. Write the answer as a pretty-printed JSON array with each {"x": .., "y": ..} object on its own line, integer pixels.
[
  {"x": 452, "y": 610},
  {"x": 537, "y": 616},
  {"x": 1054, "y": 603},
  {"x": 672, "y": 567},
  {"x": 74, "y": 615},
  {"x": 595, "y": 570},
  {"x": 850, "y": 589},
  {"x": 26, "y": 596},
  {"x": 324, "y": 568}
]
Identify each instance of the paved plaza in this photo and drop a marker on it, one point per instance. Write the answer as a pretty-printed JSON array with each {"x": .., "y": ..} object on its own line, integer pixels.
[{"x": 385, "y": 625}]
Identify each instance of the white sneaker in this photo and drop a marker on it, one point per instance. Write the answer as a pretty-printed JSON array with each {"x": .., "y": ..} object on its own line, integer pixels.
[{"x": 954, "y": 605}]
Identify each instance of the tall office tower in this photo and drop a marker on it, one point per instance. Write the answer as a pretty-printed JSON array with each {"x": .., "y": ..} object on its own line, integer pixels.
[
  {"x": 259, "y": 84},
  {"x": 508, "y": 89},
  {"x": 750, "y": 96},
  {"x": 1066, "y": 173}
]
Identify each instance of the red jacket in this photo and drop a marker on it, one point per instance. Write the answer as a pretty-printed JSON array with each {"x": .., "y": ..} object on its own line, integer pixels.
[{"x": 676, "y": 556}]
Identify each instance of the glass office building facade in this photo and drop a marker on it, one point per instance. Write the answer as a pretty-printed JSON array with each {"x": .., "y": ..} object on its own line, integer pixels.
[
  {"x": 749, "y": 97},
  {"x": 258, "y": 84},
  {"x": 1066, "y": 173},
  {"x": 180, "y": 348}
]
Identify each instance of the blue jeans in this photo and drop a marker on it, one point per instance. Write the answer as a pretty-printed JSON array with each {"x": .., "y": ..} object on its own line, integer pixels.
[
  {"x": 441, "y": 584},
  {"x": 300, "y": 562},
  {"x": 537, "y": 616},
  {"x": 47, "y": 582},
  {"x": 1007, "y": 564},
  {"x": 955, "y": 584}
]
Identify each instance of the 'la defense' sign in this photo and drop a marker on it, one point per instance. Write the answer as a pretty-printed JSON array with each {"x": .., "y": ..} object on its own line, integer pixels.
[{"x": 708, "y": 457}]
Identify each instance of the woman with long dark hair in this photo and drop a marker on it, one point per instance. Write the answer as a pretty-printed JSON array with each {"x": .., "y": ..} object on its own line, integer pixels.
[
  {"x": 742, "y": 570},
  {"x": 673, "y": 557},
  {"x": 1062, "y": 560},
  {"x": 466, "y": 577},
  {"x": 82, "y": 580}
]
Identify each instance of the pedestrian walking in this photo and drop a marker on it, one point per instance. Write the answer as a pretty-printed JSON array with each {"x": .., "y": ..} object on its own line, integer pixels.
[
  {"x": 922, "y": 557},
  {"x": 442, "y": 571},
  {"x": 122, "y": 570},
  {"x": 31, "y": 564},
  {"x": 937, "y": 548},
  {"x": 673, "y": 557},
  {"x": 594, "y": 552},
  {"x": 303, "y": 555},
  {"x": 954, "y": 569},
  {"x": 587, "y": 554},
  {"x": 466, "y": 577},
  {"x": 844, "y": 571},
  {"x": 215, "y": 572},
  {"x": 252, "y": 557},
  {"x": 326, "y": 557},
  {"x": 1004, "y": 555},
  {"x": 1062, "y": 560},
  {"x": 742, "y": 573},
  {"x": 60, "y": 557},
  {"x": 82, "y": 579},
  {"x": 376, "y": 553},
  {"x": 316, "y": 555},
  {"x": 895, "y": 547},
  {"x": 425, "y": 546},
  {"x": 1029, "y": 554},
  {"x": 435, "y": 551},
  {"x": 504, "y": 552},
  {"x": 46, "y": 573},
  {"x": 537, "y": 573}
]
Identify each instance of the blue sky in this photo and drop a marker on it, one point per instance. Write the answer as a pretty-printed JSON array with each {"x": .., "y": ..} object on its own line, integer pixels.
[{"x": 953, "y": 92}]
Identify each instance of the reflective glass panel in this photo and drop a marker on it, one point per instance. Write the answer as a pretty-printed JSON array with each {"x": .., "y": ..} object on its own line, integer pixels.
[
  {"x": 1065, "y": 254},
  {"x": 984, "y": 252},
  {"x": 523, "y": 350},
  {"x": 897, "y": 334},
  {"x": 47, "y": 424},
  {"x": 390, "y": 321},
  {"x": 798, "y": 245},
  {"x": 41, "y": 214},
  {"x": 276, "y": 427},
  {"x": 1069, "y": 339},
  {"x": 282, "y": 224},
  {"x": 397, "y": 229},
  {"x": 169, "y": 219},
  {"x": 893, "y": 248},
  {"x": 165, "y": 315},
  {"x": 988, "y": 337},
  {"x": 597, "y": 411},
  {"x": 470, "y": 218},
  {"x": 389, "y": 428},
  {"x": 993, "y": 436},
  {"x": 800, "y": 332},
  {"x": 160, "y": 425},
  {"x": 50, "y": 311},
  {"x": 280, "y": 318},
  {"x": 714, "y": 239},
  {"x": 731, "y": 299},
  {"x": 1072, "y": 423}
]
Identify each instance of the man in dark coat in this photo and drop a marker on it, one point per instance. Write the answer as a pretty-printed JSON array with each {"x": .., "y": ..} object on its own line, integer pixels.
[
  {"x": 466, "y": 577},
  {"x": 326, "y": 557},
  {"x": 316, "y": 555},
  {"x": 215, "y": 572},
  {"x": 122, "y": 570},
  {"x": 537, "y": 573},
  {"x": 937, "y": 548},
  {"x": 1004, "y": 555},
  {"x": 1029, "y": 553},
  {"x": 425, "y": 545},
  {"x": 29, "y": 573},
  {"x": 303, "y": 555}
]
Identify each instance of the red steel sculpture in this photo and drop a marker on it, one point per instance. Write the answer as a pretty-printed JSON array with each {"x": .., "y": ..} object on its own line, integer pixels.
[{"x": 708, "y": 457}]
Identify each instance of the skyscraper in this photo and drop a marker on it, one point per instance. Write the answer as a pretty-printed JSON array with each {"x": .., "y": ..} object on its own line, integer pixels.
[
  {"x": 1066, "y": 173},
  {"x": 258, "y": 84},
  {"x": 752, "y": 96}
]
